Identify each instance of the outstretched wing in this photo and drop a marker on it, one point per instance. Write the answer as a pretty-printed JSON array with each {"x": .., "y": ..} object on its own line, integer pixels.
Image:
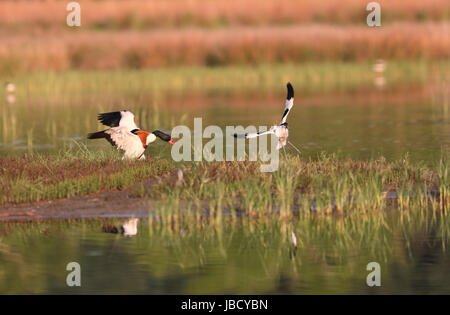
[
  {"x": 275, "y": 129},
  {"x": 123, "y": 118},
  {"x": 289, "y": 103},
  {"x": 253, "y": 135}
]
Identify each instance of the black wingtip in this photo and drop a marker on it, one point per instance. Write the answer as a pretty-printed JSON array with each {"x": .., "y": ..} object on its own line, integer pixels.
[
  {"x": 111, "y": 119},
  {"x": 290, "y": 91}
]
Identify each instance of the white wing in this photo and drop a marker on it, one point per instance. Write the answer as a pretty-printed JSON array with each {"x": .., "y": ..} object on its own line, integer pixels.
[
  {"x": 124, "y": 140},
  {"x": 127, "y": 120},
  {"x": 123, "y": 118},
  {"x": 255, "y": 134},
  {"x": 289, "y": 103}
]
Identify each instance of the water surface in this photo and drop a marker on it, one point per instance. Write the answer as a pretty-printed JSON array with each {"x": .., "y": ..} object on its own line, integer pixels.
[
  {"x": 236, "y": 258},
  {"x": 354, "y": 128}
]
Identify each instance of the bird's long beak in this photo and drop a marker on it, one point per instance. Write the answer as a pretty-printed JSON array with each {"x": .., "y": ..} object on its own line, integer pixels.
[{"x": 171, "y": 141}]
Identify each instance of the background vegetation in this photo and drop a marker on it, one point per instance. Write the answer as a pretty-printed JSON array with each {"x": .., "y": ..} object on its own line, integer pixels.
[{"x": 135, "y": 34}]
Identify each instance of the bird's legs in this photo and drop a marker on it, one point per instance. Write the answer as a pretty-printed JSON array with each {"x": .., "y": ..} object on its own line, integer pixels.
[{"x": 298, "y": 151}]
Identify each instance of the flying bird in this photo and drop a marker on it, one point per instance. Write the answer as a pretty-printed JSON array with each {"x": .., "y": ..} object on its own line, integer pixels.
[
  {"x": 281, "y": 131},
  {"x": 125, "y": 135}
]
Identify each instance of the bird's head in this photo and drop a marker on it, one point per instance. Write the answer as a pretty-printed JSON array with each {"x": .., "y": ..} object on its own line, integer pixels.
[{"x": 163, "y": 136}]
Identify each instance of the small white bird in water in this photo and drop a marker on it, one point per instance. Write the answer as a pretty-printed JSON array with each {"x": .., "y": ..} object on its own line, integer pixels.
[
  {"x": 125, "y": 135},
  {"x": 281, "y": 131},
  {"x": 129, "y": 228}
]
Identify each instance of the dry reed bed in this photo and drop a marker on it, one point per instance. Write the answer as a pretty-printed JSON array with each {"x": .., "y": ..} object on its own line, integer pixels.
[
  {"x": 174, "y": 13},
  {"x": 130, "y": 49}
]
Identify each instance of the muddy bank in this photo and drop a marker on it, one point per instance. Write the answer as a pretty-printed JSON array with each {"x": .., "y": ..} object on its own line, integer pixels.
[
  {"x": 119, "y": 203},
  {"x": 108, "y": 204},
  {"x": 116, "y": 204}
]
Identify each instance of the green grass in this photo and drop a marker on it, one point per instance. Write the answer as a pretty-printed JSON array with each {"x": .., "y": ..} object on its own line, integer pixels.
[
  {"x": 325, "y": 185},
  {"x": 71, "y": 173},
  {"x": 309, "y": 78}
]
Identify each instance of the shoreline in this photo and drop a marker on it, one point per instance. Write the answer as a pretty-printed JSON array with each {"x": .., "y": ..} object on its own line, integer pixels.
[{"x": 237, "y": 189}]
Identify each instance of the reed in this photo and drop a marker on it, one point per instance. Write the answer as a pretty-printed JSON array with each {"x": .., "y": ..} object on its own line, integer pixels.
[
  {"x": 135, "y": 14},
  {"x": 23, "y": 53},
  {"x": 323, "y": 186}
]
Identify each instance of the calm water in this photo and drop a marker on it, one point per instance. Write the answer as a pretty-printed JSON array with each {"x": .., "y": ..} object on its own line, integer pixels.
[
  {"x": 351, "y": 127},
  {"x": 246, "y": 258}
]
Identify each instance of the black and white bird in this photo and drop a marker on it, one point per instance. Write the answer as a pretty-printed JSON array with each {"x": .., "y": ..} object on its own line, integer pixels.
[
  {"x": 281, "y": 131},
  {"x": 125, "y": 135}
]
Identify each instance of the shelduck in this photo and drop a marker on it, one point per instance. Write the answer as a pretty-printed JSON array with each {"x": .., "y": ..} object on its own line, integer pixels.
[{"x": 125, "y": 135}]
